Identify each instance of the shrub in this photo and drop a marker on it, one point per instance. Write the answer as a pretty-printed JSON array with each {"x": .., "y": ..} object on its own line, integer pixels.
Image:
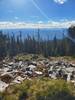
[{"x": 42, "y": 89}]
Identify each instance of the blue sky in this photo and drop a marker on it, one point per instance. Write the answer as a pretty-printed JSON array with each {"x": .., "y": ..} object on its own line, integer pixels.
[{"x": 37, "y": 10}]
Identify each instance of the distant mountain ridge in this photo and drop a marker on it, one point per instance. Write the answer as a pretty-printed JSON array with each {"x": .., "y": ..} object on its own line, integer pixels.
[{"x": 45, "y": 33}]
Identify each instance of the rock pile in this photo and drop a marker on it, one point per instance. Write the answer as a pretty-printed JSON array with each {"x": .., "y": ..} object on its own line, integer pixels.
[{"x": 17, "y": 71}]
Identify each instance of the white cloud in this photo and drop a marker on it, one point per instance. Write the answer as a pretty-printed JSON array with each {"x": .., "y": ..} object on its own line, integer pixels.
[
  {"x": 60, "y": 1},
  {"x": 50, "y": 24},
  {"x": 16, "y": 17},
  {"x": 61, "y": 24},
  {"x": 40, "y": 22}
]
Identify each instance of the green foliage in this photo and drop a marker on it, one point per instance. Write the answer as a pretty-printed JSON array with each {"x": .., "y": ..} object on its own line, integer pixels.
[
  {"x": 71, "y": 32},
  {"x": 29, "y": 57},
  {"x": 41, "y": 89}
]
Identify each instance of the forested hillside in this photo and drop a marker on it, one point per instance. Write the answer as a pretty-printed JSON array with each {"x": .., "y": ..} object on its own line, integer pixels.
[{"x": 12, "y": 45}]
